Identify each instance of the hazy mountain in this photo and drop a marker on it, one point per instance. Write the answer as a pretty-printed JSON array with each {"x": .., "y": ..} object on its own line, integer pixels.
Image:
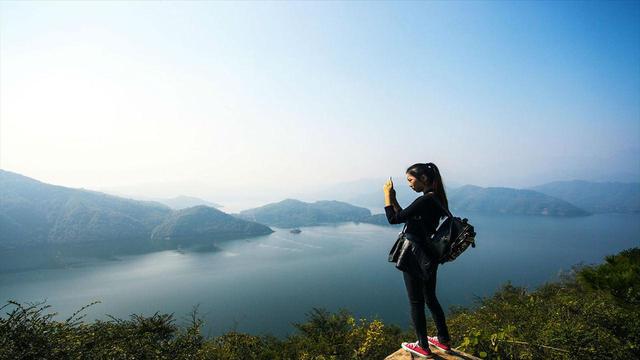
[
  {"x": 492, "y": 200},
  {"x": 498, "y": 200},
  {"x": 597, "y": 197},
  {"x": 195, "y": 224},
  {"x": 32, "y": 212},
  {"x": 368, "y": 192},
  {"x": 295, "y": 213},
  {"x": 183, "y": 202}
]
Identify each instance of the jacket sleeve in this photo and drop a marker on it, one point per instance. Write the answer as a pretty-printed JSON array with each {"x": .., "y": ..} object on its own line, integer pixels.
[{"x": 405, "y": 214}]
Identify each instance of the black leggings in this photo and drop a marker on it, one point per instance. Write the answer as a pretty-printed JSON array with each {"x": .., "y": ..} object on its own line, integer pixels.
[{"x": 419, "y": 292}]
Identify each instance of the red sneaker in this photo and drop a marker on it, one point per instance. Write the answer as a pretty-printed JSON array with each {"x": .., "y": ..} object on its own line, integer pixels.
[
  {"x": 435, "y": 342},
  {"x": 416, "y": 349}
]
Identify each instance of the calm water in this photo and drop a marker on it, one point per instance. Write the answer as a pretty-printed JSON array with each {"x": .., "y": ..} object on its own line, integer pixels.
[{"x": 262, "y": 285}]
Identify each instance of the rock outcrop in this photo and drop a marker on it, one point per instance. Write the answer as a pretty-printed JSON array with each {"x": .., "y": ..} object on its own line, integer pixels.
[{"x": 401, "y": 354}]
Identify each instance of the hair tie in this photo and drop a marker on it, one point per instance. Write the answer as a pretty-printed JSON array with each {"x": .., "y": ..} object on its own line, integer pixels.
[{"x": 431, "y": 168}]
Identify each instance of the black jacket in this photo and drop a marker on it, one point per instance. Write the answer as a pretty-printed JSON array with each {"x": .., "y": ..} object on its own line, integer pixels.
[{"x": 422, "y": 218}]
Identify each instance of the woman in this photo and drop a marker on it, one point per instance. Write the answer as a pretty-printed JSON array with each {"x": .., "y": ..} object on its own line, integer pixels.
[{"x": 422, "y": 218}]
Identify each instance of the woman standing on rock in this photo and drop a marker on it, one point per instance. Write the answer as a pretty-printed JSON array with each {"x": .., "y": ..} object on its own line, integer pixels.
[{"x": 422, "y": 218}]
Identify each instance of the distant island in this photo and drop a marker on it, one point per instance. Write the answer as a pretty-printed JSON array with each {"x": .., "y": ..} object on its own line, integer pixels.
[
  {"x": 291, "y": 213},
  {"x": 193, "y": 225}
]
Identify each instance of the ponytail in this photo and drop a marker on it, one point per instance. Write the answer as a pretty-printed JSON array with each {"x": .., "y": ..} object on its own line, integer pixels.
[{"x": 433, "y": 176}]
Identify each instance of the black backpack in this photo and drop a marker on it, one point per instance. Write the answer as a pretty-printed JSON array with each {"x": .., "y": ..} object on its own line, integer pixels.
[{"x": 452, "y": 238}]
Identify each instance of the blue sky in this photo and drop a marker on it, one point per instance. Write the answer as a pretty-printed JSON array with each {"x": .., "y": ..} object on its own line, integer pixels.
[{"x": 282, "y": 96}]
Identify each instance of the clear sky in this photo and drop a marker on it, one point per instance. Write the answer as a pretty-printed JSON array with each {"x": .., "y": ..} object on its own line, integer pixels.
[{"x": 281, "y": 96}]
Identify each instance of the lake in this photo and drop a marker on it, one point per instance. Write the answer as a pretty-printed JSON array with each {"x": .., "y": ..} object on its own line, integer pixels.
[{"x": 263, "y": 284}]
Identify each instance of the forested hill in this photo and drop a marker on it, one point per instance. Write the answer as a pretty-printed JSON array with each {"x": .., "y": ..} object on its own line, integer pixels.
[
  {"x": 294, "y": 213},
  {"x": 33, "y": 212},
  {"x": 596, "y": 197},
  {"x": 191, "y": 225},
  {"x": 499, "y": 200}
]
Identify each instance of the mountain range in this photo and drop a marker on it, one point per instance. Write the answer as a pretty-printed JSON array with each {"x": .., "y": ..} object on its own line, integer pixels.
[
  {"x": 32, "y": 212},
  {"x": 553, "y": 199},
  {"x": 499, "y": 200},
  {"x": 596, "y": 197}
]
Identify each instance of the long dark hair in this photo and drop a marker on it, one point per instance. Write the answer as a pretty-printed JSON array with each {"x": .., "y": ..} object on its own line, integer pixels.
[{"x": 430, "y": 170}]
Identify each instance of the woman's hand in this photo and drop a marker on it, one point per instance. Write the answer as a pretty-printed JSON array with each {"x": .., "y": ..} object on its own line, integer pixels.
[
  {"x": 388, "y": 188},
  {"x": 390, "y": 196}
]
